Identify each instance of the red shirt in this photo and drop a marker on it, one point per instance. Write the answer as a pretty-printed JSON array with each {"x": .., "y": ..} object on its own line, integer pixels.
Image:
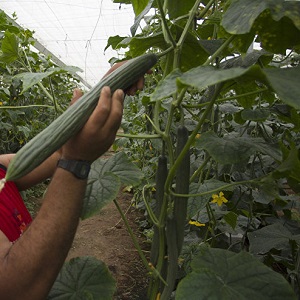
[{"x": 14, "y": 216}]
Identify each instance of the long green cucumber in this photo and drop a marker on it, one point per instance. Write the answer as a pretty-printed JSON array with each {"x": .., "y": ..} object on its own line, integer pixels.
[
  {"x": 182, "y": 186},
  {"x": 172, "y": 272},
  {"x": 161, "y": 176},
  {"x": 72, "y": 120}
]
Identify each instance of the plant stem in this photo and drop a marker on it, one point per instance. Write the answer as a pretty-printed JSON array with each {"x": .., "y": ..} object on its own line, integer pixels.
[
  {"x": 148, "y": 266},
  {"x": 166, "y": 30},
  {"x": 219, "y": 51},
  {"x": 139, "y": 136},
  {"x": 228, "y": 98},
  {"x": 165, "y": 52},
  {"x": 26, "y": 106},
  {"x": 224, "y": 187},
  {"x": 149, "y": 209},
  {"x": 192, "y": 14}
]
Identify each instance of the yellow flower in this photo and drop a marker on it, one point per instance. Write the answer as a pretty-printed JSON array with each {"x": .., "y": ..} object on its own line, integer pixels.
[
  {"x": 219, "y": 199},
  {"x": 196, "y": 223},
  {"x": 1, "y": 103}
]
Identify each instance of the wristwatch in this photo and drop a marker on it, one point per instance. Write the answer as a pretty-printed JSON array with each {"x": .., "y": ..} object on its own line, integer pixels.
[{"x": 80, "y": 168}]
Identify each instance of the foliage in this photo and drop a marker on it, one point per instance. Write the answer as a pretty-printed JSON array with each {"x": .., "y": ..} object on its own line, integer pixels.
[
  {"x": 33, "y": 89},
  {"x": 83, "y": 278},
  {"x": 228, "y": 72}
]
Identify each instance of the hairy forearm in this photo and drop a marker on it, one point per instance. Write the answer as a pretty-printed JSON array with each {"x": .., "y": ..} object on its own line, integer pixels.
[{"x": 31, "y": 265}]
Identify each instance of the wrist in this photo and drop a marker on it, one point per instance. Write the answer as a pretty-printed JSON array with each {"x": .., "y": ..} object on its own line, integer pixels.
[{"x": 79, "y": 168}]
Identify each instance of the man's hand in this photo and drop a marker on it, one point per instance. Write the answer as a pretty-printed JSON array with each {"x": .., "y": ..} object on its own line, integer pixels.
[
  {"x": 99, "y": 132},
  {"x": 137, "y": 86}
]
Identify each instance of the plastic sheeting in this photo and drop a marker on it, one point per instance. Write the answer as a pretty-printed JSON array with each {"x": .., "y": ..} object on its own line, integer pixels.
[{"x": 75, "y": 31}]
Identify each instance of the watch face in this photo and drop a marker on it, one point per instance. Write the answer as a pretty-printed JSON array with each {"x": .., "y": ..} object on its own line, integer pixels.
[{"x": 82, "y": 170}]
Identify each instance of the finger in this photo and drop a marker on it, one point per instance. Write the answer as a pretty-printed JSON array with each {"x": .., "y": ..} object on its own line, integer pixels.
[
  {"x": 140, "y": 83},
  {"x": 77, "y": 93},
  {"x": 115, "y": 117},
  {"x": 102, "y": 111}
]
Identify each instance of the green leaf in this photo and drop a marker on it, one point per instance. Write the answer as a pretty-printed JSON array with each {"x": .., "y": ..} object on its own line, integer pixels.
[
  {"x": 114, "y": 42},
  {"x": 221, "y": 274},
  {"x": 291, "y": 165},
  {"x": 201, "y": 77},
  {"x": 274, "y": 236},
  {"x": 276, "y": 22},
  {"x": 140, "y": 16},
  {"x": 139, "y": 45},
  {"x": 257, "y": 115},
  {"x": 105, "y": 180},
  {"x": 285, "y": 82},
  {"x": 177, "y": 8},
  {"x": 233, "y": 149},
  {"x": 29, "y": 79},
  {"x": 231, "y": 219},
  {"x": 241, "y": 14},
  {"x": 83, "y": 278},
  {"x": 120, "y": 165},
  {"x": 166, "y": 87},
  {"x": 101, "y": 190},
  {"x": 10, "y": 48},
  {"x": 195, "y": 204},
  {"x": 139, "y": 5}
]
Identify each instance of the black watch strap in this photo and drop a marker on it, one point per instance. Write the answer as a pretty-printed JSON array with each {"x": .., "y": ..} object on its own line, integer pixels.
[{"x": 79, "y": 168}]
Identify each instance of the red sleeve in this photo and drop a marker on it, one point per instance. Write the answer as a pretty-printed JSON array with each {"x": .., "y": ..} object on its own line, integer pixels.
[{"x": 14, "y": 216}]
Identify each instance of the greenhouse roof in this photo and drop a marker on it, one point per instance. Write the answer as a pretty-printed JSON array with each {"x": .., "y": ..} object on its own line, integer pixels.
[{"x": 75, "y": 31}]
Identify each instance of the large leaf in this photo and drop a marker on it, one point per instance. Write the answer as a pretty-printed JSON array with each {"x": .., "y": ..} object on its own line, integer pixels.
[
  {"x": 105, "y": 180},
  {"x": 274, "y": 236},
  {"x": 139, "y": 45},
  {"x": 241, "y": 14},
  {"x": 285, "y": 82},
  {"x": 29, "y": 79},
  {"x": 177, "y": 8},
  {"x": 120, "y": 165},
  {"x": 233, "y": 149},
  {"x": 221, "y": 274},
  {"x": 276, "y": 22},
  {"x": 9, "y": 48},
  {"x": 83, "y": 278},
  {"x": 201, "y": 77},
  {"x": 101, "y": 190}
]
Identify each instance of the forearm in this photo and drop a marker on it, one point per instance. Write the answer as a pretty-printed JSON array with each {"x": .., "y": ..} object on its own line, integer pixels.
[
  {"x": 33, "y": 262},
  {"x": 38, "y": 175}
]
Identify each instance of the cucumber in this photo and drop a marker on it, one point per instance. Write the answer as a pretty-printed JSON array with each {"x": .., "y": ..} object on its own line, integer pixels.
[
  {"x": 73, "y": 119},
  {"x": 182, "y": 186}
]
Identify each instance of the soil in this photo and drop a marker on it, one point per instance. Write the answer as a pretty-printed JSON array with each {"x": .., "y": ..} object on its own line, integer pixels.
[{"x": 104, "y": 236}]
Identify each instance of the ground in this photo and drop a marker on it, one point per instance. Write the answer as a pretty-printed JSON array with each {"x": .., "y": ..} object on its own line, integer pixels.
[{"x": 105, "y": 237}]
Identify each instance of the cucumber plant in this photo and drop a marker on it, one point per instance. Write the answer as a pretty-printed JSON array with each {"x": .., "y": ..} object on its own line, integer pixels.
[{"x": 220, "y": 77}]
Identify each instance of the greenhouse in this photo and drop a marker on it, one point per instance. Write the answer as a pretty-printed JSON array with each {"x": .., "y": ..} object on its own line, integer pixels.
[{"x": 150, "y": 149}]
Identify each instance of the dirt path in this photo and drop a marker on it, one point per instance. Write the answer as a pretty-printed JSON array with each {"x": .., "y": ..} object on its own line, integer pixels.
[{"x": 105, "y": 237}]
